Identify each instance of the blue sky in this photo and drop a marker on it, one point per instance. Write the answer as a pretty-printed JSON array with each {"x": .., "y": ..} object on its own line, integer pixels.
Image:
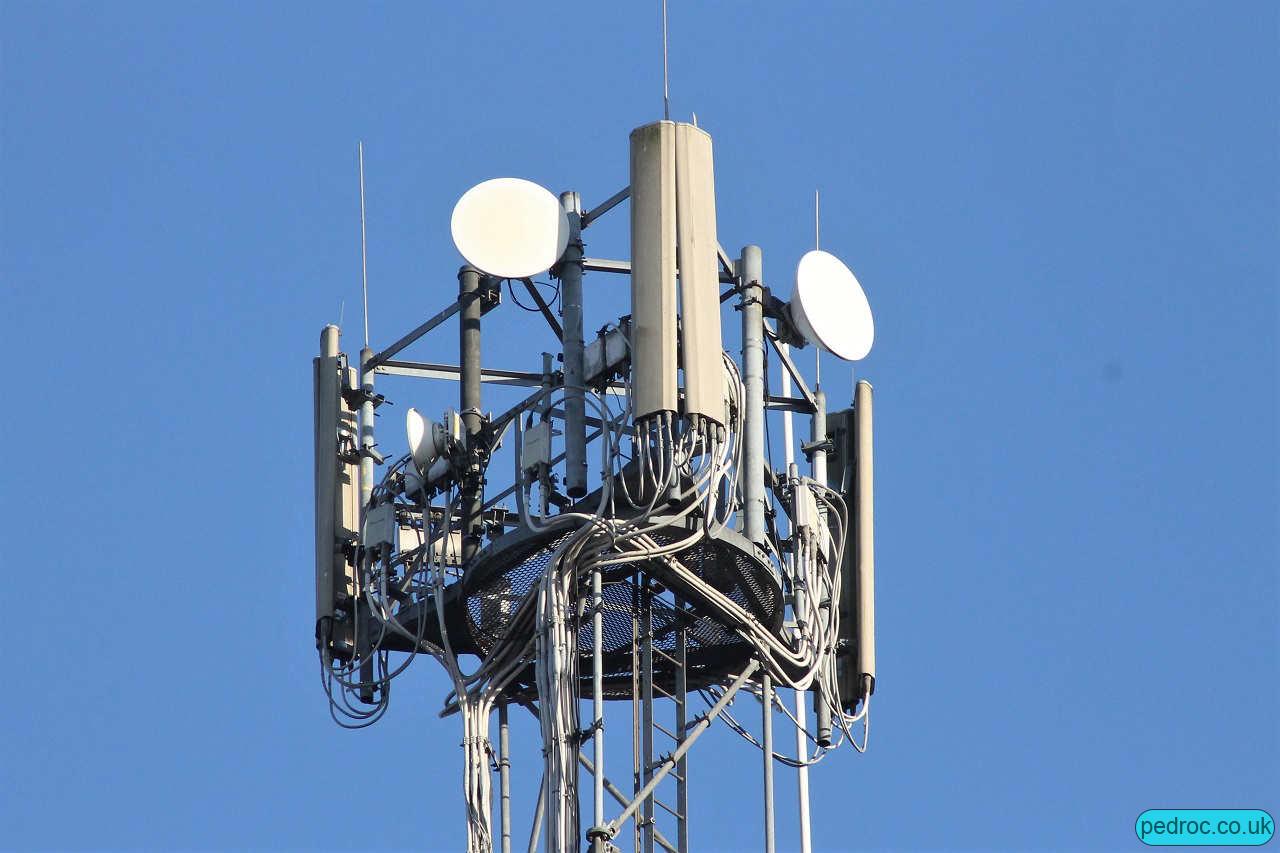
[{"x": 1065, "y": 217}]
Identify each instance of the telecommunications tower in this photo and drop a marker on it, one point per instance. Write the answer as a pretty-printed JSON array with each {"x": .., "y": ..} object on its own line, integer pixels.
[{"x": 639, "y": 565}]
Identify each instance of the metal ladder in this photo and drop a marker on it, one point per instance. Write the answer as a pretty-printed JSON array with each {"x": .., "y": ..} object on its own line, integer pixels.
[{"x": 646, "y": 728}]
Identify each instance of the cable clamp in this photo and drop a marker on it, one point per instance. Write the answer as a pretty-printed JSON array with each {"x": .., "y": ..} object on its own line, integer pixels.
[
  {"x": 356, "y": 397},
  {"x": 604, "y": 833},
  {"x": 583, "y": 735}
]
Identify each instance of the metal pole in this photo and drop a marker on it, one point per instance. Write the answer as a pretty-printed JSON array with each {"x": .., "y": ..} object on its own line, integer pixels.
[
  {"x": 797, "y": 607},
  {"x": 819, "y": 435},
  {"x": 544, "y": 469},
  {"x": 802, "y": 753},
  {"x": 538, "y": 813},
  {"x": 366, "y": 431},
  {"x": 469, "y": 407},
  {"x": 597, "y": 705},
  {"x": 821, "y": 702},
  {"x": 766, "y": 702},
  {"x": 681, "y": 702},
  {"x": 575, "y": 427},
  {"x": 752, "y": 473},
  {"x": 363, "y": 641},
  {"x": 635, "y": 704},
  {"x": 504, "y": 775},
  {"x": 646, "y": 709}
]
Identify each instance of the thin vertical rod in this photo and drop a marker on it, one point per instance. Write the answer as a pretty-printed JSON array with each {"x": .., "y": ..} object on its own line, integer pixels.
[
  {"x": 544, "y": 410},
  {"x": 635, "y": 703},
  {"x": 802, "y": 754},
  {"x": 788, "y": 430},
  {"x": 597, "y": 695},
  {"x": 766, "y": 704},
  {"x": 681, "y": 702},
  {"x": 469, "y": 406},
  {"x": 363, "y": 641},
  {"x": 364, "y": 254},
  {"x": 666, "y": 78},
  {"x": 504, "y": 775},
  {"x": 538, "y": 813},
  {"x": 818, "y": 434},
  {"x": 802, "y": 742},
  {"x": 815, "y": 219},
  {"x": 575, "y": 425},
  {"x": 646, "y": 708},
  {"x": 752, "y": 474},
  {"x": 366, "y": 430}
]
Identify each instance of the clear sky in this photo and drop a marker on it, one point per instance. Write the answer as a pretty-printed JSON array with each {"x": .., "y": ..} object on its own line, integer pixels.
[{"x": 1065, "y": 217}]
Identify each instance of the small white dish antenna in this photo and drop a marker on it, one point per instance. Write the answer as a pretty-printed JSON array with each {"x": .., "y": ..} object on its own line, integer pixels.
[
  {"x": 829, "y": 307},
  {"x": 510, "y": 228},
  {"x": 427, "y": 440}
]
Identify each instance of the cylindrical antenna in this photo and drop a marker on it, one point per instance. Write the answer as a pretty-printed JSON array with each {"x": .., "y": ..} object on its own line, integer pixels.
[
  {"x": 364, "y": 255},
  {"x": 666, "y": 79}
]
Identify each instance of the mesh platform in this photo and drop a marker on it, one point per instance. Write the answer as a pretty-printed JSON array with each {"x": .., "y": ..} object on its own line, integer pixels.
[{"x": 502, "y": 574}]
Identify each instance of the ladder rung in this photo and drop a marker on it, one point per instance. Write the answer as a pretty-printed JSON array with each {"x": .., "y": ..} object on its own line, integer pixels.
[
  {"x": 668, "y": 809},
  {"x": 658, "y": 651},
  {"x": 666, "y": 731}
]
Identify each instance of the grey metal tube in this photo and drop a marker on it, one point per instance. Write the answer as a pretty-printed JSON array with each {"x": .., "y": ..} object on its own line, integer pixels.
[
  {"x": 752, "y": 473},
  {"x": 682, "y": 701},
  {"x": 646, "y": 713},
  {"x": 575, "y": 427},
  {"x": 766, "y": 703},
  {"x": 504, "y": 775},
  {"x": 819, "y": 434},
  {"x": 802, "y": 774},
  {"x": 366, "y": 431},
  {"x": 469, "y": 406},
  {"x": 597, "y": 694},
  {"x": 821, "y": 710},
  {"x": 329, "y": 341},
  {"x": 538, "y": 813},
  {"x": 363, "y": 640}
]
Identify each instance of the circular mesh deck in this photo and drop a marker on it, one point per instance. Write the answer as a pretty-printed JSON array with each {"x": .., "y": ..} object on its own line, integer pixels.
[{"x": 503, "y": 574}]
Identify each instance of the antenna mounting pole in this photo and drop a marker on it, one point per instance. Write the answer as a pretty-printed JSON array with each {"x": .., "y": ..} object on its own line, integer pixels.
[
  {"x": 364, "y": 255},
  {"x": 666, "y": 79}
]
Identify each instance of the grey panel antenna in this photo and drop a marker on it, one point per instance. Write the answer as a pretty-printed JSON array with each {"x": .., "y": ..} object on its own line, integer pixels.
[
  {"x": 337, "y": 486},
  {"x": 653, "y": 268},
  {"x": 864, "y": 535},
  {"x": 702, "y": 354}
]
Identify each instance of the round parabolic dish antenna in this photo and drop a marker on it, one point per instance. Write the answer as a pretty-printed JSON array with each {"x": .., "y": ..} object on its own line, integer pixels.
[
  {"x": 510, "y": 228},
  {"x": 829, "y": 307},
  {"x": 421, "y": 442}
]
